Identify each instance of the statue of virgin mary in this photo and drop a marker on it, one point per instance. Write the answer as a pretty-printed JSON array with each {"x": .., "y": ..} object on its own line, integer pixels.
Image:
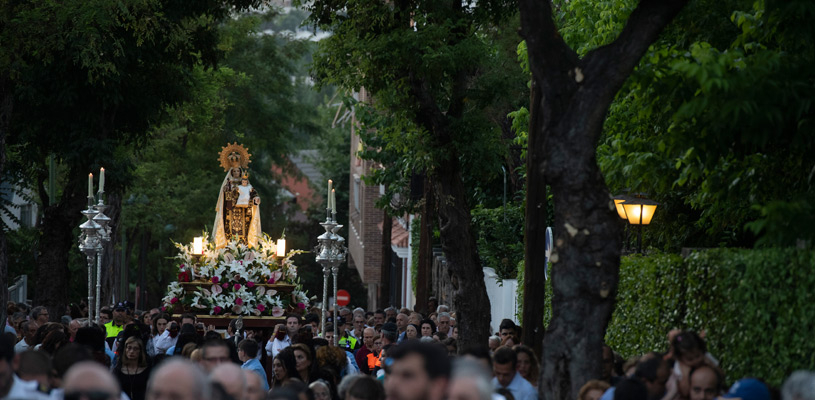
[{"x": 237, "y": 215}]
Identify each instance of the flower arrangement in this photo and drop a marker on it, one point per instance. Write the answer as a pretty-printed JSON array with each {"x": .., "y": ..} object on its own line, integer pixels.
[{"x": 236, "y": 280}]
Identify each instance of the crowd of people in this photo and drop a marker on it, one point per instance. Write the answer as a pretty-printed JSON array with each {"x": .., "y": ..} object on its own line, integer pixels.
[{"x": 392, "y": 353}]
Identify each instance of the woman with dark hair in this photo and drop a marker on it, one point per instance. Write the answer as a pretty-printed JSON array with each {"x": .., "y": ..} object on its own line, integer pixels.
[
  {"x": 306, "y": 367},
  {"x": 428, "y": 327},
  {"x": 159, "y": 324},
  {"x": 186, "y": 335},
  {"x": 284, "y": 367},
  {"x": 132, "y": 369},
  {"x": 53, "y": 341}
]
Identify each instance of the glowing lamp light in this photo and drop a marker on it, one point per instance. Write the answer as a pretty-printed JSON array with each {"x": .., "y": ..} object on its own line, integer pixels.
[
  {"x": 618, "y": 203},
  {"x": 198, "y": 245},
  {"x": 639, "y": 211},
  {"x": 620, "y": 209},
  {"x": 281, "y": 247}
]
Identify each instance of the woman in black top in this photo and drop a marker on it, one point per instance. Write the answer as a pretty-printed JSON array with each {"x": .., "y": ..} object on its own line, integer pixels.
[{"x": 133, "y": 369}]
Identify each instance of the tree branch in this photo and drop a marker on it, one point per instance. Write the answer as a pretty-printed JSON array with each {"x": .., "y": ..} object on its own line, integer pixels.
[
  {"x": 611, "y": 65},
  {"x": 549, "y": 55}
]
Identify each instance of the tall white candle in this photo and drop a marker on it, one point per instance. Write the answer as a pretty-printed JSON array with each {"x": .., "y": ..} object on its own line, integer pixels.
[
  {"x": 90, "y": 185},
  {"x": 102, "y": 180},
  {"x": 328, "y": 195},
  {"x": 333, "y": 202}
]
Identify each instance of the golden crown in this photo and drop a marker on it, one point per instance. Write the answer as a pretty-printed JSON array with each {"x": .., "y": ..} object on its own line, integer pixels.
[{"x": 234, "y": 155}]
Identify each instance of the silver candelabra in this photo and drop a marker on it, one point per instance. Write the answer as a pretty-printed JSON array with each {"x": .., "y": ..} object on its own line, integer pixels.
[
  {"x": 331, "y": 252},
  {"x": 95, "y": 234}
]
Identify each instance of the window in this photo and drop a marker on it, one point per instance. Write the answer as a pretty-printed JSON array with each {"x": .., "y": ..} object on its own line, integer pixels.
[
  {"x": 356, "y": 192},
  {"x": 26, "y": 217}
]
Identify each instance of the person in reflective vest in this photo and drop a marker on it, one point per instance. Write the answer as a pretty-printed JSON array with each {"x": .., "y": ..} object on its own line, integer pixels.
[{"x": 374, "y": 361}]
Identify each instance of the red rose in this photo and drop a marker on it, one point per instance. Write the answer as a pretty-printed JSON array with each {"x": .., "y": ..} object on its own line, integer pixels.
[
  {"x": 217, "y": 309},
  {"x": 261, "y": 308},
  {"x": 301, "y": 306},
  {"x": 239, "y": 301},
  {"x": 225, "y": 286},
  {"x": 250, "y": 284},
  {"x": 215, "y": 279},
  {"x": 237, "y": 286},
  {"x": 174, "y": 300}
]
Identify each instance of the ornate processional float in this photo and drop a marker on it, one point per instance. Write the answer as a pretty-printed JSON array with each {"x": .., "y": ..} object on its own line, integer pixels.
[{"x": 240, "y": 272}]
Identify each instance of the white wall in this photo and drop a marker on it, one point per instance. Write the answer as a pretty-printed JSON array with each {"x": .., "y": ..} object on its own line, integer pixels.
[{"x": 503, "y": 302}]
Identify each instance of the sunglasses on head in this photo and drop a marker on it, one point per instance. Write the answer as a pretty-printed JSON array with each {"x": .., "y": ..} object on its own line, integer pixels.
[{"x": 89, "y": 395}]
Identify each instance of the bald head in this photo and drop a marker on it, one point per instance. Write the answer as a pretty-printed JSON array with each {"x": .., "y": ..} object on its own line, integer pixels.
[
  {"x": 704, "y": 383},
  {"x": 231, "y": 378},
  {"x": 89, "y": 376},
  {"x": 178, "y": 379},
  {"x": 254, "y": 385}
]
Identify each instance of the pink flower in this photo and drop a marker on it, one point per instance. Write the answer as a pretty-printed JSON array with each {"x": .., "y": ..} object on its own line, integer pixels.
[
  {"x": 250, "y": 284},
  {"x": 261, "y": 308},
  {"x": 249, "y": 256},
  {"x": 239, "y": 301},
  {"x": 277, "y": 311},
  {"x": 174, "y": 300},
  {"x": 163, "y": 309},
  {"x": 217, "y": 309},
  {"x": 276, "y": 275},
  {"x": 237, "y": 286},
  {"x": 271, "y": 280},
  {"x": 216, "y": 290},
  {"x": 215, "y": 279},
  {"x": 225, "y": 285},
  {"x": 301, "y": 306}
]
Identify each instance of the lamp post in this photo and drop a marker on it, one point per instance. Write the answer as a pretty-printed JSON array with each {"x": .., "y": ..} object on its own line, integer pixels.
[
  {"x": 331, "y": 252},
  {"x": 95, "y": 234},
  {"x": 638, "y": 211}
]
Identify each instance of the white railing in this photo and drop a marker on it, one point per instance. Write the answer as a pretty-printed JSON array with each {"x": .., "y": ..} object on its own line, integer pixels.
[{"x": 18, "y": 292}]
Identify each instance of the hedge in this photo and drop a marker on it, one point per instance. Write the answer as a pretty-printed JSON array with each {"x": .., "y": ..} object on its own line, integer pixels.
[{"x": 757, "y": 307}]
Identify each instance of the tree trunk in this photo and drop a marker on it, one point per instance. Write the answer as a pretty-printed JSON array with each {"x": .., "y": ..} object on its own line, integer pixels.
[
  {"x": 142, "y": 292},
  {"x": 566, "y": 124},
  {"x": 534, "y": 236},
  {"x": 425, "y": 262},
  {"x": 110, "y": 275},
  {"x": 57, "y": 241},
  {"x": 6, "y": 103},
  {"x": 385, "y": 285},
  {"x": 470, "y": 300}
]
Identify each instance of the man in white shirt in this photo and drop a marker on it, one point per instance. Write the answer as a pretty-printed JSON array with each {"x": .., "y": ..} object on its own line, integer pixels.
[
  {"x": 29, "y": 329},
  {"x": 283, "y": 338},
  {"x": 504, "y": 366}
]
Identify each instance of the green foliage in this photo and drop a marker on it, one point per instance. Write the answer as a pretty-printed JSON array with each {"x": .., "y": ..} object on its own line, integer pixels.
[
  {"x": 463, "y": 57},
  {"x": 649, "y": 298},
  {"x": 716, "y": 125},
  {"x": 500, "y": 239},
  {"x": 754, "y": 305}
]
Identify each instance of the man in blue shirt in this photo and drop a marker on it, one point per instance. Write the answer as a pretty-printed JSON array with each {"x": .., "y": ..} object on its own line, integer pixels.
[
  {"x": 247, "y": 351},
  {"x": 504, "y": 366}
]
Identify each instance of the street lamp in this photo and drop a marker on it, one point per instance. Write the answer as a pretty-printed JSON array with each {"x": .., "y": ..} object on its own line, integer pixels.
[{"x": 639, "y": 211}]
